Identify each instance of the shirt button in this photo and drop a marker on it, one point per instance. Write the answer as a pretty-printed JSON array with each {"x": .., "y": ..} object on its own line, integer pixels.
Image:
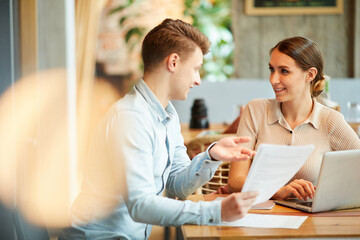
[
  {"x": 197, "y": 174},
  {"x": 167, "y": 118},
  {"x": 207, "y": 162},
  {"x": 211, "y": 220}
]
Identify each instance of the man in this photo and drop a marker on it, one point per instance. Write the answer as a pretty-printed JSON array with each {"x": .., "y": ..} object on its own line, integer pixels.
[{"x": 143, "y": 130}]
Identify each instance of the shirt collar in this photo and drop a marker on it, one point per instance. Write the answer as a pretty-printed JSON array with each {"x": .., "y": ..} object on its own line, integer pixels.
[
  {"x": 275, "y": 114},
  {"x": 314, "y": 117},
  {"x": 163, "y": 115}
]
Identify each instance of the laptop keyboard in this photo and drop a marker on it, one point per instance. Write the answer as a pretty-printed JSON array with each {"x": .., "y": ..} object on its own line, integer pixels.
[{"x": 307, "y": 204}]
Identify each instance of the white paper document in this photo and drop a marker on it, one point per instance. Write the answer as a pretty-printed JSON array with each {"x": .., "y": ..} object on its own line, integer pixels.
[
  {"x": 269, "y": 204},
  {"x": 273, "y": 166},
  {"x": 267, "y": 221}
]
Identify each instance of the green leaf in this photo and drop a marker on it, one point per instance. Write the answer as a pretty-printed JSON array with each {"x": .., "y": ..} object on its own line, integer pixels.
[
  {"x": 117, "y": 9},
  {"x": 133, "y": 32},
  {"x": 121, "y": 7},
  {"x": 122, "y": 20}
]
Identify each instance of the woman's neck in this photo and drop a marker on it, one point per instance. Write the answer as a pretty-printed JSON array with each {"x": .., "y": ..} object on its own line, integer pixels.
[{"x": 296, "y": 112}]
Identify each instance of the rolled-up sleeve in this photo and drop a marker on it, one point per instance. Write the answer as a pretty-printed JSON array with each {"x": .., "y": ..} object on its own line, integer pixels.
[
  {"x": 145, "y": 202},
  {"x": 188, "y": 175}
]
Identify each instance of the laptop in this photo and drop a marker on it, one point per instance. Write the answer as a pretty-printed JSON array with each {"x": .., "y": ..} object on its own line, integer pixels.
[{"x": 338, "y": 184}]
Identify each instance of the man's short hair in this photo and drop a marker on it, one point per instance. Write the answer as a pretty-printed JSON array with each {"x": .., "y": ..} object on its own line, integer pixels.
[{"x": 171, "y": 36}]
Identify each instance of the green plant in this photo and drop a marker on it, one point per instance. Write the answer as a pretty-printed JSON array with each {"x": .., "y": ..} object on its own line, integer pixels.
[
  {"x": 133, "y": 33},
  {"x": 213, "y": 18}
]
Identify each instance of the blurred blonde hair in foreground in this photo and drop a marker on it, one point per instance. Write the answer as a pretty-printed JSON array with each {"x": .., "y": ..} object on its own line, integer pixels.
[
  {"x": 35, "y": 170},
  {"x": 36, "y": 139}
]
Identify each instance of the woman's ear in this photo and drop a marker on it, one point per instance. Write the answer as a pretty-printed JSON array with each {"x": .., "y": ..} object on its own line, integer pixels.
[
  {"x": 172, "y": 61},
  {"x": 312, "y": 72}
]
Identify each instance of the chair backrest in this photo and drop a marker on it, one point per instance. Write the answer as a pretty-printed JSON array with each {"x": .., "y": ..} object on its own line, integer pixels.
[
  {"x": 199, "y": 145},
  {"x": 219, "y": 179}
]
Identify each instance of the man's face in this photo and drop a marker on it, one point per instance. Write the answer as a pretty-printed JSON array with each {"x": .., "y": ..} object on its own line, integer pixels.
[{"x": 186, "y": 75}]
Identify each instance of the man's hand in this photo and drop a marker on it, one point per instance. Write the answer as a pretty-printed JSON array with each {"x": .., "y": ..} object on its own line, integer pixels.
[
  {"x": 299, "y": 188},
  {"x": 228, "y": 149},
  {"x": 237, "y": 205}
]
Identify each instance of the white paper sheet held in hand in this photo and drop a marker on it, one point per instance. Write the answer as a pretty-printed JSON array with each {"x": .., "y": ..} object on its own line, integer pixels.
[{"x": 273, "y": 166}]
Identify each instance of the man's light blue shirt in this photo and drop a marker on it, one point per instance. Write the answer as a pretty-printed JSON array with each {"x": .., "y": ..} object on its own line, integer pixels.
[{"x": 147, "y": 137}]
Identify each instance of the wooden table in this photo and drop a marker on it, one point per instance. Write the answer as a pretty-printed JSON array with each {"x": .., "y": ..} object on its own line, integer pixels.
[
  {"x": 190, "y": 134},
  {"x": 335, "y": 224}
]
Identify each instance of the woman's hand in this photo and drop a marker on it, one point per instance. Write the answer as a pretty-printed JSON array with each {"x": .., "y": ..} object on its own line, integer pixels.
[
  {"x": 222, "y": 190},
  {"x": 298, "y": 188}
]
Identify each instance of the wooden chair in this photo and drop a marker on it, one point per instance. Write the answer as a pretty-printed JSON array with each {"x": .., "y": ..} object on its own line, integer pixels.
[
  {"x": 220, "y": 178},
  {"x": 200, "y": 144}
]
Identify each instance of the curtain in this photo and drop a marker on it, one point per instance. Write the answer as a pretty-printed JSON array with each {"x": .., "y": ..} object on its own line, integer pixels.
[{"x": 87, "y": 16}]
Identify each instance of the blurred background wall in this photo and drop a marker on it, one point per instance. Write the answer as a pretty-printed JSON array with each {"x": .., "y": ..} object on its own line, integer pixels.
[{"x": 338, "y": 36}]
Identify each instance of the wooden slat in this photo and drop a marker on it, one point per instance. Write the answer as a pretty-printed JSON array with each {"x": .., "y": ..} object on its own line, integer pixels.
[
  {"x": 357, "y": 40},
  {"x": 87, "y": 16},
  {"x": 28, "y": 36}
]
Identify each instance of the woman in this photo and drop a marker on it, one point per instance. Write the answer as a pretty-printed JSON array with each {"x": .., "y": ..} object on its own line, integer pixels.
[{"x": 294, "y": 117}]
